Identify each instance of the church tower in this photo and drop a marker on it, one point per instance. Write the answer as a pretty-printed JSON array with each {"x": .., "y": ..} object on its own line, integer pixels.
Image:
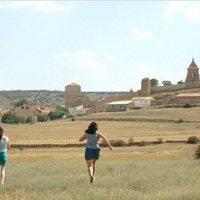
[
  {"x": 146, "y": 87},
  {"x": 192, "y": 72},
  {"x": 74, "y": 97}
]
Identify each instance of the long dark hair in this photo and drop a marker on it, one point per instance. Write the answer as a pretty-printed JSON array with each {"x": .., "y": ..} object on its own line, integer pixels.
[
  {"x": 92, "y": 128},
  {"x": 1, "y": 132}
]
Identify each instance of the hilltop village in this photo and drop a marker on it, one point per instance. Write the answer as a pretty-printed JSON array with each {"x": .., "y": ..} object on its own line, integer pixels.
[
  {"x": 148, "y": 96},
  {"x": 79, "y": 103}
]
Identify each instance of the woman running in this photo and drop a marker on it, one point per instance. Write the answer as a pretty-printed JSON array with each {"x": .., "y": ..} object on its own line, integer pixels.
[
  {"x": 92, "y": 151},
  {"x": 4, "y": 146}
]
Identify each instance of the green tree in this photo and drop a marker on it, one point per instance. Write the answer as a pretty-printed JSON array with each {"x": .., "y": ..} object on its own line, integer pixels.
[
  {"x": 154, "y": 82},
  {"x": 11, "y": 118},
  {"x": 180, "y": 82},
  {"x": 20, "y": 103},
  {"x": 59, "y": 113},
  {"x": 29, "y": 120},
  {"x": 165, "y": 83},
  {"x": 42, "y": 118}
]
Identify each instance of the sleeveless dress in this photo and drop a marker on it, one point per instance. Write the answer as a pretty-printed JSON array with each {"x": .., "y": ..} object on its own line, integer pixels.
[{"x": 92, "y": 151}]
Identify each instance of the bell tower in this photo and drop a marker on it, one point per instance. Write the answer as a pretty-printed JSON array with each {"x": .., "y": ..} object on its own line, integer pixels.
[{"x": 192, "y": 72}]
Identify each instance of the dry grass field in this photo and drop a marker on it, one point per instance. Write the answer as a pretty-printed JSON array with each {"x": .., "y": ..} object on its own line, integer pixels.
[
  {"x": 154, "y": 172},
  {"x": 191, "y": 114},
  {"x": 67, "y": 131},
  {"x": 158, "y": 172},
  {"x": 64, "y": 132}
]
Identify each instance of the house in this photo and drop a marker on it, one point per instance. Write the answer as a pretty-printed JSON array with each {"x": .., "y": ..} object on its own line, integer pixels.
[
  {"x": 26, "y": 111},
  {"x": 190, "y": 98},
  {"x": 79, "y": 110},
  {"x": 119, "y": 105},
  {"x": 44, "y": 110},
  {"x": 142, "y": 102}
]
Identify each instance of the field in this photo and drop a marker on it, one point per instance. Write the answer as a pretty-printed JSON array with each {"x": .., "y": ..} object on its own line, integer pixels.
[
  {"x": 159, "y": 172},
  {"x": 154, "y": 172},
  {"x": 67, "y": 131}
]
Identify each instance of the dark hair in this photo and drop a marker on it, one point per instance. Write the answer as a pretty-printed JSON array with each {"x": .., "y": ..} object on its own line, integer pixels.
[
  {"x": 92, "y": 128},
  {"x": 1, "y": 132}
]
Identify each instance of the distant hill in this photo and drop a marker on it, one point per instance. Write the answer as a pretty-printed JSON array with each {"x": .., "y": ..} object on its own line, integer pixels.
[{"x": 44, "y": 97}]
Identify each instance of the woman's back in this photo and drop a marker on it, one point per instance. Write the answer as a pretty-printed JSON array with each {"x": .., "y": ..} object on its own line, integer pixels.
[{"x": 92, "y": 140}]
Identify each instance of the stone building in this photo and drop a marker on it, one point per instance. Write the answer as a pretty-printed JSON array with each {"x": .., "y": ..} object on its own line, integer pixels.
[
  {"x": 119, "y": 105},
  {"x": 25, "y": 111},
  {"x": 143, "y": 102},
  {"x": 145, "y": 87},
  {"x": 192, "y": 73},
  {"x": 74, "y": 97},
  {"x": 188, "y": 98},
  {"x": 192, "y": 81}
]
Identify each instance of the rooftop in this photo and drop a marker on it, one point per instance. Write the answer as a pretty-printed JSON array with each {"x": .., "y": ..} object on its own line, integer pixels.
[{"x": 188, "y": 95}]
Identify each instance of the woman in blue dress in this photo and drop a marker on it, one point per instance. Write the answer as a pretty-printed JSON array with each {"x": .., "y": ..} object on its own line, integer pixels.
[{"x": 92, "y": 151}]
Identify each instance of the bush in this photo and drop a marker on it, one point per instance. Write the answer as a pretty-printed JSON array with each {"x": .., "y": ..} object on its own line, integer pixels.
[
  {"x": 130, "y": 141},
  {"x": 197, "y": 153},
  {"x": 193, "y": 140},
  {"x": 180, "y": 121},
  {"x": 143, "y": 143},
  {"x": 187, "y": 105},
  {"x": 117, "y": 142},
  {"x": 29, "y": 120},
  {"x": 59, "y": 113},
  {"x": 42, "y": 118},
  {"x": 56, "y": 115},
  {"x": 160, "y": 140},
  {"x": 11, "y": 118}
]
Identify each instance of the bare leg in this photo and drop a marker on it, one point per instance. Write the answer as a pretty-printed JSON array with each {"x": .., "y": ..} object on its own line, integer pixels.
[
  {"x": 2, "y": 173},
  {"x": 94, "y": 161},
  {"x": 90, "y": 167}
]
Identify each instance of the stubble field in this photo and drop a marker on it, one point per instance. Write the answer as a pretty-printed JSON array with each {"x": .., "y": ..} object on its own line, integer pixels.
[{"x": 158, "y": 172}]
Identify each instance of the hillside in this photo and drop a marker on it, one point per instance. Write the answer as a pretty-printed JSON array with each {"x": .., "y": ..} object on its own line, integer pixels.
[
  {"x": 44, "y": 97},
  {"x": 54, "y": 98}
]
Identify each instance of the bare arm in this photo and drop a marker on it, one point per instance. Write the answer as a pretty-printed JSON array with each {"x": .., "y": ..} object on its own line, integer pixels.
[
  {"x": 82, "y": 138},
  {"x": 8, "y": 146},
  {"x": 106, "y": 140}
]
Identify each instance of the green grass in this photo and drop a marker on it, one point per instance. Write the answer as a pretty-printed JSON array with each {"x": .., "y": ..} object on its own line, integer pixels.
[{"x": 161, "y": 172}]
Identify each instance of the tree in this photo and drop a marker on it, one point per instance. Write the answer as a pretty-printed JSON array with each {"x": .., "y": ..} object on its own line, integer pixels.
[
  {"x": 180, "y": 82},
  {"x": 29, "y": 120},
  {"x": 165, "y": 83},
  {"x": 42, "y": 118},
  {"x": 59, "y": 113},
  {"x": 11, "y": 118},
  {"x": 20, "y": 103},
  {"x": 154, "y": 82}
]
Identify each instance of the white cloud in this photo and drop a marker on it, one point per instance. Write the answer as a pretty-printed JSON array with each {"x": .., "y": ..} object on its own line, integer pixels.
[
  {"x": 83, "y": 60},
  {"x": 141, "y": 35},
  {"x": 97, "y": 71},
  {"x": 189, "y": 11},
  {"x": 44, "y": 6}
]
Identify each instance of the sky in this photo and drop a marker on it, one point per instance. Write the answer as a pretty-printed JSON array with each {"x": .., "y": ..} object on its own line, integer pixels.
[{"x": 100, "y": 45}]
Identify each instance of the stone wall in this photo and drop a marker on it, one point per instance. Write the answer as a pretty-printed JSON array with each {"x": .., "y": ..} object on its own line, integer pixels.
[
  {"x": 169, "y": 88},
  {"x": 173, "y": 88}
]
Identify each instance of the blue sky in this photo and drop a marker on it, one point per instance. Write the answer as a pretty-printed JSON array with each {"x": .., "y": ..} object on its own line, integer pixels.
[{"x": 101, "y": 45}]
